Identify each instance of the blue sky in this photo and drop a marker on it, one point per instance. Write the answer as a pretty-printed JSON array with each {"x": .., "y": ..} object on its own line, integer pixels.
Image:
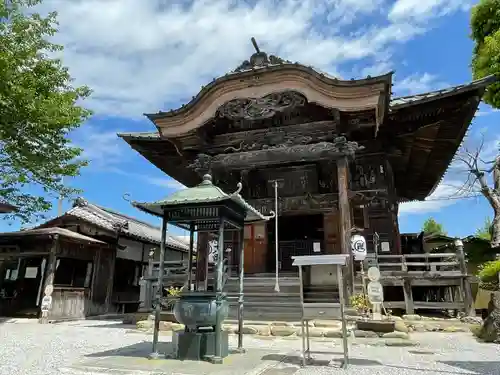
[{"x": 143, "y": 56}]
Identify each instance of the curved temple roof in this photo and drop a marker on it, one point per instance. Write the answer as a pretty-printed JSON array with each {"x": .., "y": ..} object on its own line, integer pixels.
[
  {"x": 204, "y": 193},
  {"x": 262, "y": 76}
]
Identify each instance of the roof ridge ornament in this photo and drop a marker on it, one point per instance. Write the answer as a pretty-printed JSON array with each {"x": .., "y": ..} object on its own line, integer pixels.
[{"x": 260, "y": 59}]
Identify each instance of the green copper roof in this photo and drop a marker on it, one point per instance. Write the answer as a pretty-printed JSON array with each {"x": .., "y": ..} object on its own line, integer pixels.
[{"x": 204, "y": 193}]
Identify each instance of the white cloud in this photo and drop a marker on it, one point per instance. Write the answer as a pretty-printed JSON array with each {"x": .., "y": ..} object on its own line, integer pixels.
[
  {"x": 166, "y": 182},
  {"x": 417, "y": 84},
  {"x": 445, "y": 195},
  {"x": 422, "y": 10},
  {"x": 142, "y": 56},
  {"x": 103, "y": 149}
]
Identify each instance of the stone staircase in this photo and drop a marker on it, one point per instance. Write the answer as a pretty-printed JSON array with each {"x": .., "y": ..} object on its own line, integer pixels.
[{"x": 261, "y": 302}]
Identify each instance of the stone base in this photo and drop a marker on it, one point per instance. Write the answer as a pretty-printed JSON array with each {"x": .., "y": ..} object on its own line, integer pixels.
[
  {"x": 199, "y": 346},
  {"x": 382, "y": 326}
]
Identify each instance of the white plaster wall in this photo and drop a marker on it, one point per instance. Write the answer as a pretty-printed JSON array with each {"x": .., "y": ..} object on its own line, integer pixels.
[{"x": 132, "y": 251}]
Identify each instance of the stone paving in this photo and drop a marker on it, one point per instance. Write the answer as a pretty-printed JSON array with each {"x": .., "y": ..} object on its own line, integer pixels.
[{"x": 98, "y": 348}]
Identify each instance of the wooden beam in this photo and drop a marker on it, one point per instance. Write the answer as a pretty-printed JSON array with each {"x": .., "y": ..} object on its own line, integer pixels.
[
  {"x": 309, "y": 203},
  {"x": 345, "y": 223},
  {"x": 275, "y": 155}
]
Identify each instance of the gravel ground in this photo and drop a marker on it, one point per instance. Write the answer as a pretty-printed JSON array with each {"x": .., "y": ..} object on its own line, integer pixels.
[{"x": 34, "y": 349}]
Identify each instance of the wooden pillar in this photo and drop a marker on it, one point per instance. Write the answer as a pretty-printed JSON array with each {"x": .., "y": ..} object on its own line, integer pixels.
[
  {"x": 49, "y": 280},
  {"x": 111, "y": 278},
  {"x": 345, "y": 223},
  {"x": 202, "y": 261},
  {"x": 241, "y": 269},
  {"x": 465, "y": 283},
  {"x": 408, "y": 295},
  {"x": 397, "y": 235}
]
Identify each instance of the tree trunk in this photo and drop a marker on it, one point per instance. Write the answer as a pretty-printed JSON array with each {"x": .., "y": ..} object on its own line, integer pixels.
[{"x": 495, "y": 230}]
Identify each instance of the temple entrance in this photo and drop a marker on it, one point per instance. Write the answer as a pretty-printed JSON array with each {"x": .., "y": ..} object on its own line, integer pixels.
[{"x": 298, "y": 235}]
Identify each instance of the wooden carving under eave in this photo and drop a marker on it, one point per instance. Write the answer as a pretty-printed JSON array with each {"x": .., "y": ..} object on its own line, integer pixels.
[
  {"x": 316, "y": 88},
  {"x": 266, "y": 156}
]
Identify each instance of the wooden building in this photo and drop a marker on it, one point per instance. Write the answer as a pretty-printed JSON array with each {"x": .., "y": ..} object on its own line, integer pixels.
[
  {"x": 273, "y": 120},
  {"x": 94, "y": 258}
]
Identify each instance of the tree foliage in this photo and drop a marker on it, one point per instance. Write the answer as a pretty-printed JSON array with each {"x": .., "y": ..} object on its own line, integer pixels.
[
  {"x": 485, "y": 232},
  {"x": 37, "y": 111},
  {"x": 431, "y": 226},
  {"x": 485, "y": 25}
]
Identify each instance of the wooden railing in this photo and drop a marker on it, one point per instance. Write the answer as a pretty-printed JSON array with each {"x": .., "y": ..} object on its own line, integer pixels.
[{"x": 430, "y": 262}]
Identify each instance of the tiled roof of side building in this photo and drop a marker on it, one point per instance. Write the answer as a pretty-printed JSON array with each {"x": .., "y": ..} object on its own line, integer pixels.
[{"x": 115, "y": 221}]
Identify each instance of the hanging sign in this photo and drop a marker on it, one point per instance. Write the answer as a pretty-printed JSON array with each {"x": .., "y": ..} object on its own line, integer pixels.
[
  {"x": 46, "y": 303},
  {"x": 358, "y": 247}
]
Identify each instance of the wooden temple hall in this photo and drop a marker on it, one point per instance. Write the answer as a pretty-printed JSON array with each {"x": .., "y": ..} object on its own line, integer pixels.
[{"x": 344, "y": 154}]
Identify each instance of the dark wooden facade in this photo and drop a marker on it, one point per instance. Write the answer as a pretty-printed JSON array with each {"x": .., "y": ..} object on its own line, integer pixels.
[
  {"x": 76, "y": 266},
  {"x": 273, "y": 120}
]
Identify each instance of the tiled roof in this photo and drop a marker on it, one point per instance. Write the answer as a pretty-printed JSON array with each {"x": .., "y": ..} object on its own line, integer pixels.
[
  {"x": 413, "y": 99},
  {"x": 63, "y": 232},
  {"x": 203, "y": 193},
  {"x": 117, "y": 222}
]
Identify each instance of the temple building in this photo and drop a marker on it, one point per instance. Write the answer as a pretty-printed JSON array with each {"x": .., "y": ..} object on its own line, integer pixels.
[{"x": 344, "y": 153}]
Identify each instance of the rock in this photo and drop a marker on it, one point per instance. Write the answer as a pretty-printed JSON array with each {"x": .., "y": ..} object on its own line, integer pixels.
[
  {"x": 229, "y": 328},
  {"x": 264, "y": 331},
  {"x": 451, "y": 329},
  {"x": 249, "y": 330},
  {"x": 432, "y": 328},
  {"x": 400, "y": 343},
  {"x": 365, "y": 334},
  {"x": 282, "y": 331},
  {"x": 394, "y": 318},
  {"x": 400, "y": 326},
  {"x": 471, "y": 320},
  {"x": 313, "y": 332},
  {"x": 151, "y": 317},
  {"x": 166, "y": 326},
  {"x": 412, "y": 317},
  {"x": 419, "y": 328},
  {"x": 334, "y": 333},
  {"x": 177, "y": 327},
  {"x": 396, "y": 335},
  {"x": 282, "y": 324},
  {"x": 490, "y": 330},
  {"x": 144, "y": 325},
  {"x": 327, "y": 323}
]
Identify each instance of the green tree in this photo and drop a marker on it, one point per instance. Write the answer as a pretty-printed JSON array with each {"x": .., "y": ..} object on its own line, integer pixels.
[
  {"x": 485, "y": 25},
  {"x": 485, "y": 231},
  {"x": 37, "y": 111},
  {"x": 431, "y": 226},
  {"x": 485, "y": 32}
]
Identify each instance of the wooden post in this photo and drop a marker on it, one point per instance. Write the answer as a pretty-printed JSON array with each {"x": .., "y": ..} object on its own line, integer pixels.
[
  {"x": 241, "y": 269},
  {"x": 408, "y": 294},
  {"x": 111, "y": 279},
  {"x": 159, "y": 293},
  {"x": 49, "y": 281},
  {"x": 190, "y": 257},
  {"x": 147, "y": 285},
  {"x": 466, "y": 289},
  {"x": 345, "y": 223}
]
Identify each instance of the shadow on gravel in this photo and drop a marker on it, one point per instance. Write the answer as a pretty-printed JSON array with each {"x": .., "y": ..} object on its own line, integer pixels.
[
  {"x": 476, "y": 367},
  {"x": 139, "y": 350},
  {"x": 112, "y": 325},
  {"x": 297, "y": 360}
]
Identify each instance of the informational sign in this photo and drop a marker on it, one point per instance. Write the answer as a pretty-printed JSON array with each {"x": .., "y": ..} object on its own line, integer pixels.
[
  {"x": 375, "y": 292},
  {"x": 317, "y": 247},
  {"x": 358, "y": 247},
  {"x": 373, "y": 274},
  {"x": 49, "y": 289},
  {"x": 46, "y": 303},
  {"x": 385, "y": 247}
]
